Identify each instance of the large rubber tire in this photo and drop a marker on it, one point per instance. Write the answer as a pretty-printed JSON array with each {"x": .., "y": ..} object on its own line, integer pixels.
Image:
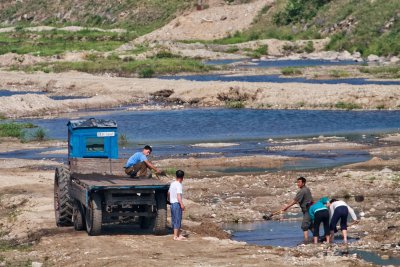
[
  {"x": 160, "y": 225},
  {"x": 78, "y": 216},
  {"x": 93, "y": 216},
  {"x": 62, "y": 200}
]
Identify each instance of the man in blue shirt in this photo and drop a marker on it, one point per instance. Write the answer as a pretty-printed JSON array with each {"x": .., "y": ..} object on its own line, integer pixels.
[{"x": 137, "y": 164}]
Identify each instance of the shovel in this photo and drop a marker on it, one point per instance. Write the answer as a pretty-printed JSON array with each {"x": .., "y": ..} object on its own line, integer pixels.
[{"x": 269, "y": 216}]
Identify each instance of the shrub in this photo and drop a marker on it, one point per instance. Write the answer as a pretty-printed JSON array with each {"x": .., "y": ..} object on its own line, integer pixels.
[
  {"x": 13, "y": 129},
  {"x": 380, "y": 107},
  {"x": 309, "y": 47},
  {"x": 234, "y": 104},
  {"x": 165, "y": 54},
  {"x": 347, "y": 106},
  {"x": 339, "y": 73},
  {"x": 291, "y": 71},
  {"x": 146, "y": 72},
  {"x": 39, "y": 135},
  {"x": 232, "y": 49}
]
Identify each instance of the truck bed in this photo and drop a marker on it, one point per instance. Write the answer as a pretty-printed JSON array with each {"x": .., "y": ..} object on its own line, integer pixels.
[{"x": 96, "y": 181}]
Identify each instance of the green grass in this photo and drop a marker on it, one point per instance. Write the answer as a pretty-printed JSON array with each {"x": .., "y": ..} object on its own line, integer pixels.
[
  {"x": 57, "y": 42},
  {"x": 339, "y": 73},
  {"x": 291, "y": 71},
  {"x": 259, "y": 51},
  {"x": 369, "y": 36},
  {"x": 234, "y": 104},
  {"x": 383, "y": 72},
  {"x": 170, "y": 171},
  {"x": 347, "y": 105},
  {"x": 38, "y": 135},
  {"x": 140, "y": 16},
  {"x": 122, "y": 139},
  {"x": 13, "y": 129},
  {"x": 143, "y": 68}
]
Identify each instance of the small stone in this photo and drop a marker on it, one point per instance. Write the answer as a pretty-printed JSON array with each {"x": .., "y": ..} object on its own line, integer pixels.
[
  {"x": 37, "y": 264},
  {"x": 385, "y": 257}
]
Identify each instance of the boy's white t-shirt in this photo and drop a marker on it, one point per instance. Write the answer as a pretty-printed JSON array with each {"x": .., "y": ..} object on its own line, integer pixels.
[{"x": 174, "y": 189}]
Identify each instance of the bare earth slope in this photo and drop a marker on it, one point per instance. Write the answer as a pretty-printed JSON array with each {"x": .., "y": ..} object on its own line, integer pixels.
[{"x": 211, "y": 23}]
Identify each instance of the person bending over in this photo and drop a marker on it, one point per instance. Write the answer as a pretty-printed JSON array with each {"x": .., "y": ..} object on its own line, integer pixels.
[
  {"x": 319, "y": 213},
  {"x": 137, "y": 164},
  {"x": 339, "y": 210}
]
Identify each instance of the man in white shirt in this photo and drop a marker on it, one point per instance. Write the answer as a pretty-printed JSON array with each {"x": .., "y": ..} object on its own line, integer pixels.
[{"x": 175, "y": 193}]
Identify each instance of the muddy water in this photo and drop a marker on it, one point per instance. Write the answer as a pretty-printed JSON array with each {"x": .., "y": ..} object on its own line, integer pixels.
[
  {"x": 270, "y": 233},
  {"x": 289, "y": 234}
]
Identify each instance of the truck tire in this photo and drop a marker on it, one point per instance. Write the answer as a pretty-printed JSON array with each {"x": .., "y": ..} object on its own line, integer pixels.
[
  {"x": 160, "y": 226},
  {"x": 93, "y": 216},
  {"x": 78, "y": 216},
  {"x": 62, "y": 199}
]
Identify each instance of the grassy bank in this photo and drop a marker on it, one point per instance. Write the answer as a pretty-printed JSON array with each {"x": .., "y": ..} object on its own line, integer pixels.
[
  {"x": 370, "y": 27},
  {"x": 57, "y": 42},
  {"x": 125, "y": 68},
  {"x": 140, "y": 16},
  {"x": 22, "y": 131}
]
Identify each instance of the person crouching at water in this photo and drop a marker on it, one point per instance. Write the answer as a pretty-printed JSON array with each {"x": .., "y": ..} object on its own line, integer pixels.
[
  {"x": 175, "y": 195},
  {"x": 339, "y": 210},
  {"x": 320, "y": 213},
  {"x": 304, "y": 199}
]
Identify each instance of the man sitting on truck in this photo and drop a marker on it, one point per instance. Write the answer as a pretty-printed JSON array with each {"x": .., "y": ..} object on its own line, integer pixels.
[{"x": 137, "y": 164}]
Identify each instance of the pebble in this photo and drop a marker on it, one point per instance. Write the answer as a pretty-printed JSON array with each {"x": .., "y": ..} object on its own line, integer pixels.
[{"x": 37, "y": 264}]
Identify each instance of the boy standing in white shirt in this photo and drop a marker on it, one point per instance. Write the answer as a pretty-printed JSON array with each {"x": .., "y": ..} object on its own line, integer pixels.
[{"x": 175, "y": 193}]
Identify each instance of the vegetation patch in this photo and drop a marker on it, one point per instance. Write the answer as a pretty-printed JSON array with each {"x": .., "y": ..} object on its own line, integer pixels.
[
  {"x": 347, "y": 105},
  {"x": 143, "y": 68},
  {"x": 49, "y": 43},
  {"x": 289, "y": 71},
  {"x": 259, "y": 52},
  {"x": 339, "y": 73},
  {"x": 383, "y": 72},
  {"x": 13, "y": 129},
  {"x": 139, "y": 16},
  {"x": 234, "y": 104}
]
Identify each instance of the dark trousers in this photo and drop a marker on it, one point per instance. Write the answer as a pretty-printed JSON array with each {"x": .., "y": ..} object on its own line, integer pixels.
[
  {"x": 139, "y": 169},
  {"x": 341, "y": 213},
  {"x": 321, "y": 216}
]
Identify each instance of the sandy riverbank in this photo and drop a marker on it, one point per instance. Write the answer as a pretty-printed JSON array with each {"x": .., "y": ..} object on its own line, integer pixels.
[{"x": 105, "y": 92}]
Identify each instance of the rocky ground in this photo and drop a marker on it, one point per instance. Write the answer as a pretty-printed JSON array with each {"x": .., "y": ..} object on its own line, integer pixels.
[{"x": 29, "y": 233}]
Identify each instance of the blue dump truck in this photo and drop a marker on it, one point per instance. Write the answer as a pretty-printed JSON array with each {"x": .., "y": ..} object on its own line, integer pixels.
[{"x": 93, "y": 190}]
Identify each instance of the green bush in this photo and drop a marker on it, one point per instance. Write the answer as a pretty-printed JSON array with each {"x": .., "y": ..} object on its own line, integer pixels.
[
  {"x": 13, "y": 129},
  {"x": 146, "y": 72},
  {"x": 339, "y": 73},
  {"x": 234, "y": 104},
  {"x": 291, "y": 71},
  {"x": 39, "y": 135},
  {"x": 309, "y": 47},
  {"x": 347, "y": 106},
  {"x": 298, "y": 10}
]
